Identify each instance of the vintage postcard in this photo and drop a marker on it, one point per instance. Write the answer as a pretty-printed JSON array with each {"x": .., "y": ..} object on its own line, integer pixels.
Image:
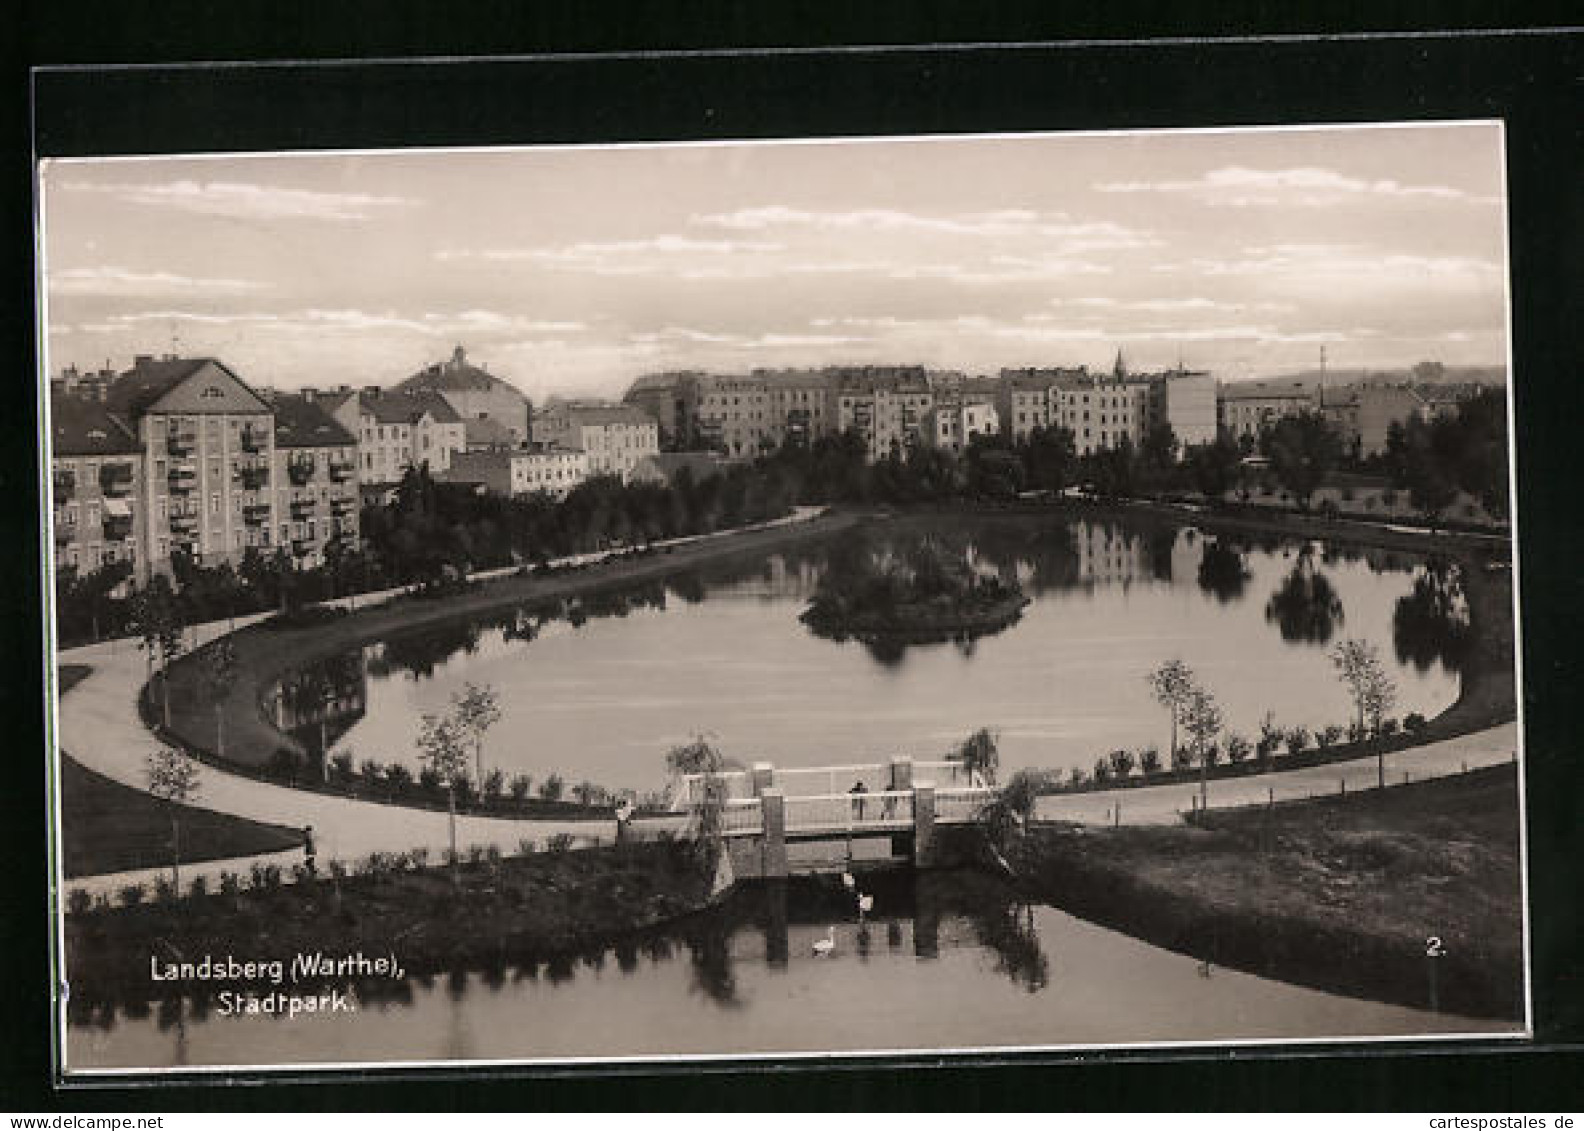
[{"x": 766, "y": 600}]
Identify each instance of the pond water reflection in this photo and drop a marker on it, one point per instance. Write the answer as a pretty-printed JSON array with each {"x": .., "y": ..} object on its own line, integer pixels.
[
  {"x": 600, "y": 686},
  {"x": 943, "y": 961}
]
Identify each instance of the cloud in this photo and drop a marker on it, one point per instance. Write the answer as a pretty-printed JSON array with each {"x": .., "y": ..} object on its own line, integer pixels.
[
  {"x": 1171, "y": 305},
  {"x": 474, "y": 324},
  {"x": 243, "y": 201},
  {"x": 655, "y": 255},
  {"x": 1014, "y": 223},
  {"x": 1239, "y": 186},
  {"x": 110, "y": 281}
]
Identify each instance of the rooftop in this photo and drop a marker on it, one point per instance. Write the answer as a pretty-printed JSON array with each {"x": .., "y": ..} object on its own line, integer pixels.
[
  {"x": 81, "y": 427},
  {"x": 455, "y": 375},
  {"x": 300, "y": 423}
]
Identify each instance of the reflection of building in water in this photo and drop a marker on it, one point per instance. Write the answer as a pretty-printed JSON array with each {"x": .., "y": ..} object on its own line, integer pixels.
[
  {"x": 318, "y": 705},
  {"x": 1109, "y": 554}
]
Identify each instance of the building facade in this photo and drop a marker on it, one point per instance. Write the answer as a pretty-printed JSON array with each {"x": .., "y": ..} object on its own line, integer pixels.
[
  {"x": 314, "y": 470},
  {"x": 473, "y": 393},
  {"x": 96, "y": 488},
  {"x": 521, "y": 471},
  {"x": 1247, "y": 408},
  {"x": 208, "y": 444},
  {"x": 951, "y": 426},
  {"x": 613, "y": 438}
]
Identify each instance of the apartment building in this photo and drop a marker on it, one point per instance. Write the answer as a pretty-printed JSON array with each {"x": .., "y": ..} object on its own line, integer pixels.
[
  {"x": 473, "y": 393},
  {"x": 1027, "y": 399},
  {"x": 1247, "y": 408},
  {"x": 521, "y": 471},
  {"x": 885, "y": 406},
  {"x": 614, "y": 438},
  {"x": 314, "y": 474},
  {"x": 1363, "y": 414},
  {"x": 952, "y": 425},
  {"x": 395, "y": 431},
  {"x": 96, "y": 473},
  {"x": 207, "y": 443}
]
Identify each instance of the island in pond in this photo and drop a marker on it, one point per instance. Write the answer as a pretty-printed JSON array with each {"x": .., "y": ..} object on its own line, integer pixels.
[{"x": 889, "y": 597}]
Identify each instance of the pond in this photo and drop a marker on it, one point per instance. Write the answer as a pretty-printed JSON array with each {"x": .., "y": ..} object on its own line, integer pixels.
[
  {"x": 598, "y": 689},
  {"x": 944, "y": 961}
]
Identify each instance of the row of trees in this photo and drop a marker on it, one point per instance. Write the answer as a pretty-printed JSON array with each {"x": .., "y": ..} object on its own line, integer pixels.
[{"x": 1193, "y": 709}]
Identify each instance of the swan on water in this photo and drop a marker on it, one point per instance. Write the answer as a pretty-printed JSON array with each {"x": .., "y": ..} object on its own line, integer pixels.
[{"x": 826, "y": 945}]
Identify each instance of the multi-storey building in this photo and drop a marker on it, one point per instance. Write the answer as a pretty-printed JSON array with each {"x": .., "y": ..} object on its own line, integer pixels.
[
  {"x": 1102, "y": 412},
  {"x": 96, "y": 466},
  {"x": 207, "y": 441},
  {"x": 952, "y": 425},
  {"x": 1186, "y": 401},
  {"x": 1247, "y": 408},
  {"x": 474, "y": 394},
  {"x": 669, "y": 398},
  {"x": 1027, "y": 399},
  {"x": 885, "y": 406},
  {"x": 1364, "y": 413},
  {"x": 314, "y": 477},
  {"x": 521, "y": 471},
  {"x": 396, "y": 431},
  {"x": 613, "y": 437}
]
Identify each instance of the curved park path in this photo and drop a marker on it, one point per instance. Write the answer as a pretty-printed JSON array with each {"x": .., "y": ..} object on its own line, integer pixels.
[
  {"x": 1165, "y": 804},
  {"x": 98, "y": 725}
]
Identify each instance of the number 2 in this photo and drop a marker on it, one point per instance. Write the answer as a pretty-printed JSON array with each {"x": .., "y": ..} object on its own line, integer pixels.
[{"x": 1433, "y": 947}]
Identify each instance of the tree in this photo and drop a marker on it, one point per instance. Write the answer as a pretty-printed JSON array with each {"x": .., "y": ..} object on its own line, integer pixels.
[
  {"x": 979, "y": 755},
  {"x": 157, "y": 624},
  {"x": 1215, "y": 466},
  {"x": 1302, "y": 449},
  {"x": 476, "y": 709},
  {"x": 1359, "y": 666},
  {"x": 442, "y": 748},
  {"x": 1049, "y": 455},
  {"x": 173, "y": 778},
  {"x": 219, "y": 676},
  {"x": 699, "y": 757},
  {"x": 1202, "y": 720},
  {"x": 1173, "y": 685}
]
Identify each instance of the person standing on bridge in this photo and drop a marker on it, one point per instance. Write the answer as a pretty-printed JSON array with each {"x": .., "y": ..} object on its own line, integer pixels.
[{"x": 858, "y": 790}]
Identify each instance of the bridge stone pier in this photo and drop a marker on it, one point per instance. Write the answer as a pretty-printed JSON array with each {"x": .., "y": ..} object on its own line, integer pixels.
[{"x": 766, "y": 809}]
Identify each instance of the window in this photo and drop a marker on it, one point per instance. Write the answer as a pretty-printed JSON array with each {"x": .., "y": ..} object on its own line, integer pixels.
[{"x": 214, "y": 503}]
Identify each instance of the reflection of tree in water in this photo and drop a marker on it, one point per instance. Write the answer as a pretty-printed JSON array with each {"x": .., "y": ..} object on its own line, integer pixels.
[
  {"x": 1431, "y": 624},
  {"x": 688, "y": 586},
  {"x": 1008, "y": 930},
  {"x": 709, "y": 948},
  {"x": 419, "y": 653},
  {"x": 1159, "y": 542},
  {"x": 1305, "y": 606},
  {"x": 1223, "y": 573}
]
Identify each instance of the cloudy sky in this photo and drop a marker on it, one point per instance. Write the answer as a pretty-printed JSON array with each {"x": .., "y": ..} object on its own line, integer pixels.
[{"x": 575, "y": 270}]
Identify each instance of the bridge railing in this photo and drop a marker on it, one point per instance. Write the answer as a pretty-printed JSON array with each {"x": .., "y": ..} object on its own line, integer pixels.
[
  {"x": 879, "y": 809},
  {"x": 827, "y": 781},
  {"x": 741, "y": 817},
  {"x": 961, "y": 805},
  {"x": 691, "y": 789}
]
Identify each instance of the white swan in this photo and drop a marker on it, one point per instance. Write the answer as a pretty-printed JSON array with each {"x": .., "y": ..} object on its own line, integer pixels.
[
  {"x": 848, "y": 882},
  {"x": 826, "y": 945},
  {"x": 865, "y": 905}
]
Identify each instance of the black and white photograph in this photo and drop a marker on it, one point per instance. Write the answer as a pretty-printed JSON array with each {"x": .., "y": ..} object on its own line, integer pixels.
[{"x": 688, "y": 602}]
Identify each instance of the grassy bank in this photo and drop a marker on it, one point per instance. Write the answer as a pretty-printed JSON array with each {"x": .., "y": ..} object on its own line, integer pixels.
[
  {"x": 110, "y": 827},
  {"x": 517, "y": 909},
  {"x": 1341, "y": 895},
  {"x": 266, "y": 651}
]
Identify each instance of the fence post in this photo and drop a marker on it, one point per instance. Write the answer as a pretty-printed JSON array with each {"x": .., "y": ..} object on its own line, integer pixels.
[
  {"x": 923, "y": 824},
  {"x": 901, "y": 773},
  {"x": 772, "y": 806},
  {"x": 763, "y": 777}
]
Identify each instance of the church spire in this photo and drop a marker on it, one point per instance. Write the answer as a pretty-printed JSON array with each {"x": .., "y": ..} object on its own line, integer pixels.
[{"x": 1119, "y": 369}]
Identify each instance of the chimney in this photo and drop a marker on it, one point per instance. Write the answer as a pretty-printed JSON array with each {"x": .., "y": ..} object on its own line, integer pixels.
[
  {"x": 309, "y": 393},
  {"x": 142, "y": 360}
]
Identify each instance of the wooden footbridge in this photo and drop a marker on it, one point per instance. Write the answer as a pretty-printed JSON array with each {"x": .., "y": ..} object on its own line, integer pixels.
[{"x": 765, "y": 808}]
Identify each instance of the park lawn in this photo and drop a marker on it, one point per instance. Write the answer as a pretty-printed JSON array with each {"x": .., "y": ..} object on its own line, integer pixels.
[
  {"x": 1340, "y": 894},
  {"x": 518, "y": 909},
  {"x": 110, "y": 827}
]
